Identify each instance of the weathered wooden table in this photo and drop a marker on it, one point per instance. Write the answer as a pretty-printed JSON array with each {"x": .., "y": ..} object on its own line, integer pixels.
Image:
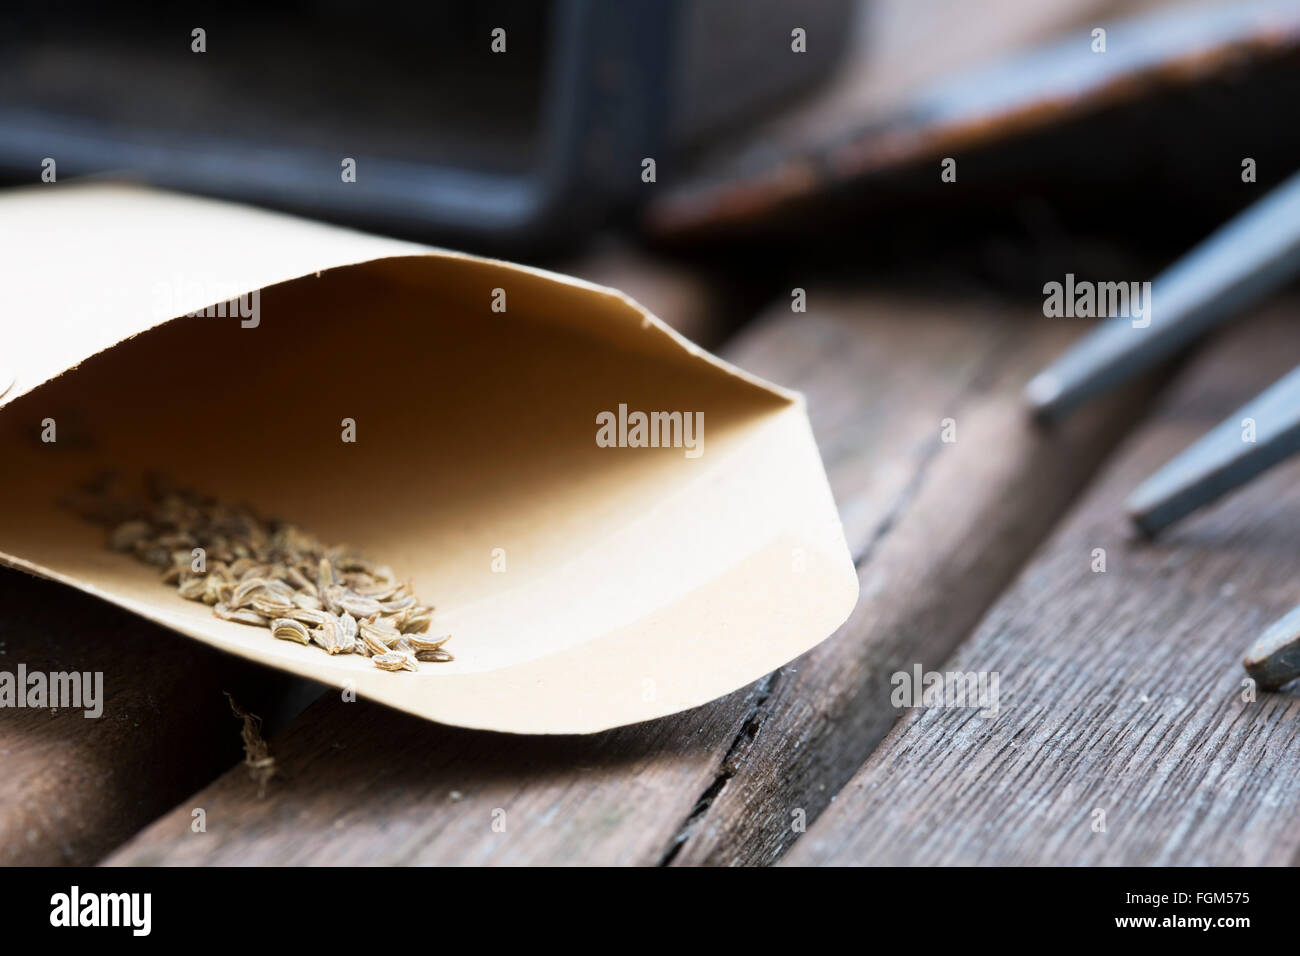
[
  {"x": 1121, "y": 697},
  {"x": 1120, "y": 690}
]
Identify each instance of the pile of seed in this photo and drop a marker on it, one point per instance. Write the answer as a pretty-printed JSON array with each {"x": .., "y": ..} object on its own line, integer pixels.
[{"x": 274, "y": 575}]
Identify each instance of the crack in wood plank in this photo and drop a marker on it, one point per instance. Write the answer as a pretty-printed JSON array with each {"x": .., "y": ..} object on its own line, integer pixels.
[
  {"x": 981, "y": 379},
  {"x": 924, "y": 590},
  {"x": 748, "y": 731}
]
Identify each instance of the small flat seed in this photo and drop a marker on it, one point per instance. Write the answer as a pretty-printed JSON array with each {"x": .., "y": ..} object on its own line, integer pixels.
[
  {"x": 380, "y": 632},
  {"x": 280, "y": 591},
  {"x": 246, "y": 590},
  {"x": 372, "y": 643},
  {"x": 352, "y": 564},
  {"x": 304, "y": 600},
  {"x": 215, "y": 591},
  {"x": 326, "y": 636},
  {"x": 256, "y": 572},
  {"x": 128, "y": 535},
  {"x": 272, "y": 606},
  {"x": 358, "y": 606},
  {"x": 287, "y": 629},
  {"x": 324, "y": 575},
  {"x": 422, "y": 642},
  {"x": 193, "y": 589},
  {"x": 240, "y": 615},
  {"x": 240, "y": 567},
  {"x": 390, "y": 662},
  {"x": 330, "y": 596},
  {"x": 304, "y": 586},
  {"x": 310, "y": 616},
  {"x": 397, "y": 604},
  {"x": 379, "y": 591},
  {"x": 416, "y": 625}
]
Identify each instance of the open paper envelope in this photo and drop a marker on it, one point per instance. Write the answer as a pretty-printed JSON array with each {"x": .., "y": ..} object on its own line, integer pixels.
[{"x": 585, "y": 586}]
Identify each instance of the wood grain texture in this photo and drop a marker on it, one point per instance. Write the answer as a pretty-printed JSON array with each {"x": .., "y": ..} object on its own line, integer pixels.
[
  {"x": 1120, "y": 691},
  {"x": 364, "y": 785},
  {"x": 975, "y": 509},
  {"x": 74, "y": 787}
]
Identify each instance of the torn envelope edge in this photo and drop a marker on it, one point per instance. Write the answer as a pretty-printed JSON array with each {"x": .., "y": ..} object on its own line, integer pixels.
[{"x": 27, "y": 343}]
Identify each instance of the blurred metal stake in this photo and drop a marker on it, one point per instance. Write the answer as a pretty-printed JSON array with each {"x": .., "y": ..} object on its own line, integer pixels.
[
  {"x": 1253, "y": 255},
  {"x": 1223, "y": 459},
  {"x": 1274, "y": 659}
]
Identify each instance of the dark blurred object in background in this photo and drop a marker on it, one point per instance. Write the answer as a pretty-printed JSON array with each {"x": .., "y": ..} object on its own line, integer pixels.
[
  {"x": 1070, "y": 159},
  {"x": 452, "y": 141},
  {"x": 1172, "y": 104}
]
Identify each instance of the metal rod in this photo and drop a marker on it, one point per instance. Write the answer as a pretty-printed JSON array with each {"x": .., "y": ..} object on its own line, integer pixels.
[
  {"x": 1274, "y": 659},
  {"x": 1253, "y": 255},
  {"x": 1230, "y": 455}
]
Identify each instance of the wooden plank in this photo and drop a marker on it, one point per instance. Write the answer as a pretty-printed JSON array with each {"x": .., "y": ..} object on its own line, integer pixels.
[
  {"x": 1121, "y": 691},
  {"x": 73, "y": 787},
  {"x": 364, "y": 785},
  {"x": 925, "y": 584}
]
